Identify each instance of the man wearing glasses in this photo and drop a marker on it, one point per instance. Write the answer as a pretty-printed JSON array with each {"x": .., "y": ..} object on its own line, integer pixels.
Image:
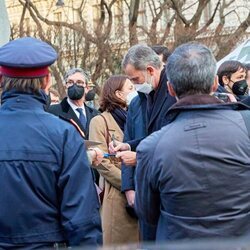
[{"x": 73, "y": 106}]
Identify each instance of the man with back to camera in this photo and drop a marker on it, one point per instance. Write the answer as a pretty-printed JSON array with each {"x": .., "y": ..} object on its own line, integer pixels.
[
  {"x": 192, "y": 176},
  {"x": 48, "y": 197}
]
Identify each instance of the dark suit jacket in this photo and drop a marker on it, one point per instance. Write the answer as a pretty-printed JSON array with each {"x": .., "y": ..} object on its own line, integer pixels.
[{"x": 63, "y": 109}]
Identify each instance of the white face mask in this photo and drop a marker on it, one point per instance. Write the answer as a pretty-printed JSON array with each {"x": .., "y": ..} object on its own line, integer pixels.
[
  {"x": 131, "y": 96},
  {"x": 145, "y": 88}
]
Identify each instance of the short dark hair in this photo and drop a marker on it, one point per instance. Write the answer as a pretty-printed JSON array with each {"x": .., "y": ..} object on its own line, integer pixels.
[
  {"x": 161, "y": 50},
  {"x": 247, "y": 66},
  {"x": 108, "y": 100},
  {"x": 227, "y": 68}
]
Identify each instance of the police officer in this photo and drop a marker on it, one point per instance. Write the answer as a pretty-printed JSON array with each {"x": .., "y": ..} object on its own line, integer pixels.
[{"x": 47, "y": 194}]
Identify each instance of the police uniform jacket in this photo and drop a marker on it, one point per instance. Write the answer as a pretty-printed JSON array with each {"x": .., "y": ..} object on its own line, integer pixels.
[
  {"x": 47, "y": 193},
  {"x": 192, "y": 177}
]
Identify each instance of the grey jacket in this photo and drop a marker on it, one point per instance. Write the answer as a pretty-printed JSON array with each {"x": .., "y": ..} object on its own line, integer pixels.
[{"x": 192, "y": 178}]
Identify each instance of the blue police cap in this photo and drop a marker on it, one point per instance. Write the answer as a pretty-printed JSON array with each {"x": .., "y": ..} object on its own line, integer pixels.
[{"x": 26, "y": 57}]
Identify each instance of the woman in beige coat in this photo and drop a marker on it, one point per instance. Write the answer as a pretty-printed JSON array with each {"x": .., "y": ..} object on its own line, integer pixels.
[{"x": 118, "y": 226}]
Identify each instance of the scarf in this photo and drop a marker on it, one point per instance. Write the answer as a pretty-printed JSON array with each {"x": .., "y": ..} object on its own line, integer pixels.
[{"x": 120, "y": 116}]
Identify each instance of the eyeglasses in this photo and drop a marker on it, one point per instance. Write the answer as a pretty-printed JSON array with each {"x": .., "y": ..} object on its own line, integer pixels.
[{"x": 78, "y": 83}]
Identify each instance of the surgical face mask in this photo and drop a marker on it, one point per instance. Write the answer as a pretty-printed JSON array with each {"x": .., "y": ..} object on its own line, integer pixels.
[
  {"x": 75, "y": 92},
  {"x": 240, "y": 87},
  {"x": 131, "y": 96},
  {"x": 145, "y": 88}
]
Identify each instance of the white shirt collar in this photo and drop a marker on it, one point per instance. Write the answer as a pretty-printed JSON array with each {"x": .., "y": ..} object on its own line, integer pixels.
[{"x": 74, "y": 107}]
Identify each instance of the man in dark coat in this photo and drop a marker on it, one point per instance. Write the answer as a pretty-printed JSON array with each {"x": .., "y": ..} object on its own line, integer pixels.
[
  {"x": 192, "y": 176},
  {"x": 73, "y": 106},
  {"x": 144, "y": 67},
  {"x": 48, "y": 198}
]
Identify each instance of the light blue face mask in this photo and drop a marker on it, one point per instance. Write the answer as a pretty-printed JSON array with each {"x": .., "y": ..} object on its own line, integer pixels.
[
  {"x": 131, "y": 96},
  {"x": 145, "y": 88}
]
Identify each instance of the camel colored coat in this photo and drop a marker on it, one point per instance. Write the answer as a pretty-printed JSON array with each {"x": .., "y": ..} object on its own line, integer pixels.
[{"x": 118, "y": 226}]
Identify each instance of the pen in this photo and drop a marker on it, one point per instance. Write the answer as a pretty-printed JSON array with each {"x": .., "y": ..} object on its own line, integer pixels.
[
  {"x": 107, "y": 155},
  {"x": 113, "y": 140}
]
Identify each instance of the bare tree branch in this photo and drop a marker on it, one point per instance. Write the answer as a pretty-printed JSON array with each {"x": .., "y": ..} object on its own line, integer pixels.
[
  {"x": 232, "y": 41},
  {"x": 197, "y": 16},
  {"x": 21, "y": 28},
  {"x": 79, "y": 28},
  {"x": 179, "y": 13},
  {"x": 133, "y": 14},
  {"x": 210, "y": 21},
  {"x": 167, "y": 30}
]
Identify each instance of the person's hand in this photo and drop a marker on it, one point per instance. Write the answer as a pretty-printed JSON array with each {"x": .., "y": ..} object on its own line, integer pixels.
[
  {"x": 96, "y": 155},
  {"x": 116, "y": 146},
  {"x": 130, "y": 196},
  {"x": 128, "y": 157}
]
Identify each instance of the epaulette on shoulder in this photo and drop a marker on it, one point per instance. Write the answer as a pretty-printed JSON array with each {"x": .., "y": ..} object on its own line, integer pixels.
[{"x": 74, "y": 124}]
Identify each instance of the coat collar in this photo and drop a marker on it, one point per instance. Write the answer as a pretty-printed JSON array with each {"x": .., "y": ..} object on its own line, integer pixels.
[
  {"x": 14, "y": 99},
  {"x": 156, "y": 98},
  {"x": 196, "y": 100},
  {"x": 201, "y": 102}
]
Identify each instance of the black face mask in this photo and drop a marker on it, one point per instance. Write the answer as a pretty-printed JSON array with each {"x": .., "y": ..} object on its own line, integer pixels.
[
  {"x": 90, "y": 96},
  {"x": 240, "y": 87},
  {"x": 75, "y": 92}
]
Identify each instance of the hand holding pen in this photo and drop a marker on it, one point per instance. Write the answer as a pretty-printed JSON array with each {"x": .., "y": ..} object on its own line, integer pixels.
[{"x": 116, "y": 146}]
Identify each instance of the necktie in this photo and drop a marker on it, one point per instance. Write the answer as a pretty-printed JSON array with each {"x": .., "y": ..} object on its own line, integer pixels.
[{"x": 82, "y": 117}]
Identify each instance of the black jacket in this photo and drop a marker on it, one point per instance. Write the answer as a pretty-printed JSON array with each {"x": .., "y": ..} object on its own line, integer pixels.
[
  {"x": 158, "y": 103},
  {"x": 64, "y": 110}
]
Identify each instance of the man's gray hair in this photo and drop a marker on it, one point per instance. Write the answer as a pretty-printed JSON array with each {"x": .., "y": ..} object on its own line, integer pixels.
[
  {"x": 140, "y": 56},
  {"x": 191, "y": 69},
  {"x": 76, "y": 70}
]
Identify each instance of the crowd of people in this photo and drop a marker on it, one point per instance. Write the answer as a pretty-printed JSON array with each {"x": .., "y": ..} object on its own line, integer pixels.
[{"x": 165, "y": 157}]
